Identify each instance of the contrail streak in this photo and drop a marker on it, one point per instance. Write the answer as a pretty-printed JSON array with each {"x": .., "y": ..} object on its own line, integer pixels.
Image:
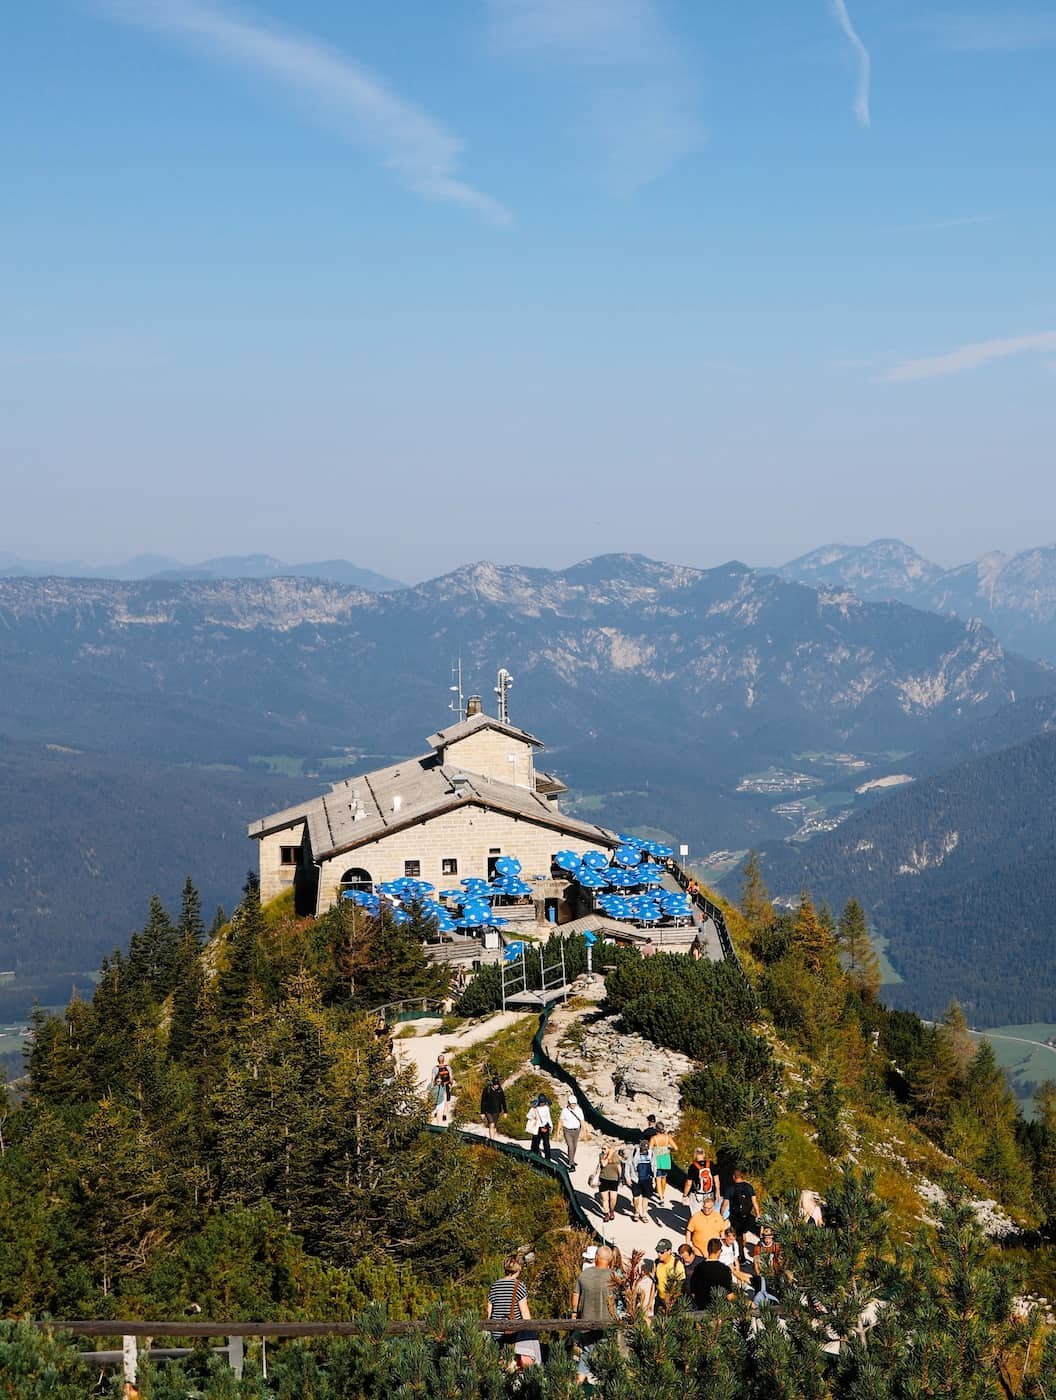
[{"x": 865, "y": 66}]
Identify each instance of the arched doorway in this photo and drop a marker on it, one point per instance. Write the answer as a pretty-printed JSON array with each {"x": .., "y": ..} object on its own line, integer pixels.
[{"x": 357, "y": 879}]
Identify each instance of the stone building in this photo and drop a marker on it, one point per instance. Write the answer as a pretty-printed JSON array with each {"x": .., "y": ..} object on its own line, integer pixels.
[{"x": 443, "y": 816}]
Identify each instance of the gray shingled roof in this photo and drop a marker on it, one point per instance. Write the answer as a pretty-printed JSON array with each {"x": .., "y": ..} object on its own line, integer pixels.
[
  {"x": 463, "y": 727},
  {"x": 424, "y": 787}
]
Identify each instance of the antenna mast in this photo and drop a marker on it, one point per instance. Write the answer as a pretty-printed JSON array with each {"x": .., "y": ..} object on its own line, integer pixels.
[
  {"x": 502, "y": 690},
  {"x": 455, "y": 704}
]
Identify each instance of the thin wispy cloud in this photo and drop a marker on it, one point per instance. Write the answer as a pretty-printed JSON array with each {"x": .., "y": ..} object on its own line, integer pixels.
[
  {"x": 1015, "y": 30},
  {"x": 972, "y": 356},
  {"x": 418, "y": 149},
  {"x": 639, "y": 87},
  {"x": 965, "y": 222},
  {"x": 865, "y": 63}
]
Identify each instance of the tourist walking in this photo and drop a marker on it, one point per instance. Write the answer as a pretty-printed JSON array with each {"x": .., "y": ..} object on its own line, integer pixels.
[
  {"x": 442, "y": 1088},
  {"x": 704, "y": 1226},
  {"x": 540, "y": 1125},
  {"x": 644, "y": 1296},
  {"x": 702, "y": 1180},
  {"x": 492, "y": 1104},
  {"x": 593, "y": 1301},
  {"x": 507, "y": 1300},
  {"x": 743, "y": 1205},
  {"x": 662, "y": 1144},
  {"x": 639, "y": 1177},
  {"x": 571, "y": 1123},
  {"x": 670, "y": 1273},
  {"x": 607, "y": 1175}
]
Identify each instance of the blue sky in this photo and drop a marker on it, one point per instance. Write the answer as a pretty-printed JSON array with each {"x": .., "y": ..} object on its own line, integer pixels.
[{"x": 440, "y": 280}]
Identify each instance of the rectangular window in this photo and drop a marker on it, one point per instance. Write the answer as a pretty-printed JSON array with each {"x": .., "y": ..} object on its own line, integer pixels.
[
  {"x": 449, "y": 866},
  {"x": 290, "y": 855},
  {"x": 413, "y": 868},
  {"x": 495, "y": 851}
]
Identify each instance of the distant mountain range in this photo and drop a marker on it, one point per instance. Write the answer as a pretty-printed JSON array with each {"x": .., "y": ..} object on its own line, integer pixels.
[
  {"x": 723, "y": 707},
  {"x": 147, "y": 566},
  {"x": 1013, "y": 594}
]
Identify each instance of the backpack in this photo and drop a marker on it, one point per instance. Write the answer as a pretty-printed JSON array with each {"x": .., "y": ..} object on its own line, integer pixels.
[
  {"x": 644, "y": 1163},
  {"x": 707, "y": 1181}
]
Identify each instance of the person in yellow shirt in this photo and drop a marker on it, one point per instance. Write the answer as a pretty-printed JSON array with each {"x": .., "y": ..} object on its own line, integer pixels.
[
  {"x": 670, "y": 1273},
  {"x": 704, "y": 1225}
]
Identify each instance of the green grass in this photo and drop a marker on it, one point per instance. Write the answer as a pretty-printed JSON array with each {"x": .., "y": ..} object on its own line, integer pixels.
[
  {"x": 888, "y": 973},
  {"x": 286, "y": 764}
]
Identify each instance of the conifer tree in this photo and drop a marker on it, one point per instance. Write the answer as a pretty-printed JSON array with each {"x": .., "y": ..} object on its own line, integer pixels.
[
  {"x": 812, "y": 942},
  {"x": 755, "y": 898},
  {"x": 188, "y": 989},
  {"x": 857, "y": 952},
  {"x": 244, "y": 959},
  {"x": 190, "y": 920},
  {"x": 151, "y": 955}
]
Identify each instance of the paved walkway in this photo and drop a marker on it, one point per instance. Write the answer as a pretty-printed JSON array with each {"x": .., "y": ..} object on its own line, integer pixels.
[{"x": 669, "y": 1219}]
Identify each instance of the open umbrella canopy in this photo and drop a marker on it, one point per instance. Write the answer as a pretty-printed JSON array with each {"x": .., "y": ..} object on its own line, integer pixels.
[
  {"x": 511, "y": 885},
  {"x": 400, "y": 917},
  {"x": 452, "y": 894},
  {"x": 597, "y": 860},
  {"x": 591, "y": 879},
  {"x": 567, "y": 860},
  {"x": 626, "y": 840},
  {"x": 473, "y": 883},
  {"x": 508, "y": 865},
  {"x": 628, "y": 855}
]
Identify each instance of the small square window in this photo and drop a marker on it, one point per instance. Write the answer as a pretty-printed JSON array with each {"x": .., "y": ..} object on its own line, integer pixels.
[
  {"x": 413, "y": 868},
  {"x": 449, "y": 866},
  {"x": 495, "y": 851},
  {"x": 290, "y": 855}
]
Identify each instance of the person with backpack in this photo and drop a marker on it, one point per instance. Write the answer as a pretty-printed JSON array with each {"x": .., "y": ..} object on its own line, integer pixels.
[
  {"x": 492, "y": 1104},
  {"x": 540, "y": 1125},
  {"x": 443, "y": 1084},
  {"x": 607, "y": 1175},
  {"x": 743, "y": 1205},
  {"x": 702, "y": 1180},
  {"x": 639, "y": 1177}
]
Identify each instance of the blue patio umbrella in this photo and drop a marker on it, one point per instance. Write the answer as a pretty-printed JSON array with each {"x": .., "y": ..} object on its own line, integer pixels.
[
  {"x": 627, "y": 840},
  {"x": 495, "y": 922},
  {"x": 591, "y": 880},
  {"x": 508, "y": 865},
  {"x": 628, "y": 855},
  {"x": 452, "y": 894},
  {"x": 567, "y": 860},
  {"x": 390, "y": 887},
  {"x": 597, "y": 860},
  {"x": 400, "y": 917}
]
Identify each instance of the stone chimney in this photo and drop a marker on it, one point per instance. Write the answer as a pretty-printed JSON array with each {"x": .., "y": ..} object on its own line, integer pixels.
[{"x": 474, "y": 706}]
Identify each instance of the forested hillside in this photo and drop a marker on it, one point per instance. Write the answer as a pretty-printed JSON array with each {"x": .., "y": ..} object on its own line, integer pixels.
[
  {"x": 957, "y": 871},
  {"x": 86, "y": 838},
  {"x": 222, "y": 1129}
]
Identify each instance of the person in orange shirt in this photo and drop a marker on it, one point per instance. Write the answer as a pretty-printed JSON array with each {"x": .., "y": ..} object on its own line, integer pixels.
[{"x": 704, "y": 1225}]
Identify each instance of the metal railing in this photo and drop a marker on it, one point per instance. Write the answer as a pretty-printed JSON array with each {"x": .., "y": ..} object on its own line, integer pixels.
[{"x": 712, "y": 911}]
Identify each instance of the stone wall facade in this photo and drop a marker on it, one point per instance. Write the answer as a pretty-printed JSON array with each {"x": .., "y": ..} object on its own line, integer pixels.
[
  {"x": 275, "y": 876},
  {"x": 493, "y": 755},
  {"x": 470, "y": 835}
]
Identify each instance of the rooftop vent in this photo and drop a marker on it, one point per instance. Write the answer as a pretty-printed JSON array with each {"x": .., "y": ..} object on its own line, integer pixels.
[
  {"x": 474, "y": 706},
  {"x": 397, "y": 803}
]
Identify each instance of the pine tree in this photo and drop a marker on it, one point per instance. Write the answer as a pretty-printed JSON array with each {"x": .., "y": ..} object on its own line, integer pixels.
[
  {"x": 152, "y": 954},
  {"x": 755, "y": 898},
  {"x": 244, "y": 959},
  {"x": 190, "y": 920},
  {"x": 812, "y": 942},
  {"x": 219, "y": 920},
  {"x": 188, "y": 988},
  {"x": 857, "y": 952}
]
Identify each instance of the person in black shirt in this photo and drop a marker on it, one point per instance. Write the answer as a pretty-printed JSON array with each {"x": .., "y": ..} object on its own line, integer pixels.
[
  {"x": 743, "y": 1205},
  {"x": 711, "y": 1280},
  {"x": 492, "y": 1104}
]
